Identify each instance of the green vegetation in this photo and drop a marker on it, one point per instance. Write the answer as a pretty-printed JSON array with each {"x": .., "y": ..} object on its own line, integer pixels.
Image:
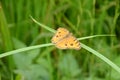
[{"x": 26, "y": 51}]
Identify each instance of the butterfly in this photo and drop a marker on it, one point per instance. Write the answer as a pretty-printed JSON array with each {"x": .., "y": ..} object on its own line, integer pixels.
[{"x": 63, "y": 39}]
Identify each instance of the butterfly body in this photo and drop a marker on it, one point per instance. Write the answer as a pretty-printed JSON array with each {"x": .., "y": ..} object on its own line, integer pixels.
[{"x": 63, "y": 39}]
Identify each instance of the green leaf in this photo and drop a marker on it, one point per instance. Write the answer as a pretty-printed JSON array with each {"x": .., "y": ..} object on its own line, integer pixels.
[
  {"x": 34, "y": 72},
  {"x": 68, "y": 67}
]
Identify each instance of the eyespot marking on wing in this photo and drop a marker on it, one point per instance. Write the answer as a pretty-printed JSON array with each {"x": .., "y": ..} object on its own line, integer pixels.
[{"x": 71, "y": 44}]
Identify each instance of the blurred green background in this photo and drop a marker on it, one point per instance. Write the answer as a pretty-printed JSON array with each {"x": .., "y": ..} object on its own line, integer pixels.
[{"x": 81, "y": 17}]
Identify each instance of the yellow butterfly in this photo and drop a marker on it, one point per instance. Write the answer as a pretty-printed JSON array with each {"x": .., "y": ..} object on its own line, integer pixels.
[{"x": 63, "y": 39}]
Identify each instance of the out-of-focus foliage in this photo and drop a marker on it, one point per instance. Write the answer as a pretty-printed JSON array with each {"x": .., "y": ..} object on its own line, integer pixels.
[{"x": 81, "y": 17}]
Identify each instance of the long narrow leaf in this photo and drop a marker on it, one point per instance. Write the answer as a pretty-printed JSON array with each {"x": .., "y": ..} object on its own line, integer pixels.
[
  {"x": 46, "y": 27},
  {"x": 24, "y": 49},
  {"x": 114, "y": 66}
]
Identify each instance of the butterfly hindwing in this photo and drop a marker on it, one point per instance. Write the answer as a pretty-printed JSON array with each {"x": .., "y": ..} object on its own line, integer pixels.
[
  {"x": 60, "y": 34},
  {"x": 69, "y": 42}
]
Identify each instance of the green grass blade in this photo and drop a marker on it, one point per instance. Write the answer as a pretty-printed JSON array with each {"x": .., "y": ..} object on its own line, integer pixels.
[
  {"x": 114, "y": 66},
  {"x": 24, "y": 49},
  {"x": 93, "y": 36},
  {"x": 6, "y": 37},
  {"x": 4, "y": 30},
  {"x": 43, "y": 26}
]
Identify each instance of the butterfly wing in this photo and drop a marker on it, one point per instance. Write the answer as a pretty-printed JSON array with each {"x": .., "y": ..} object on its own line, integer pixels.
[
  {"x": 60, "y": 34},
  {"x": 69, "y": 42}
]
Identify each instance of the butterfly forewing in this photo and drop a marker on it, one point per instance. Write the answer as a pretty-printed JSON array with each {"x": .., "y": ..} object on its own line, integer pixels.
[{"x": 59, "y": 35}]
